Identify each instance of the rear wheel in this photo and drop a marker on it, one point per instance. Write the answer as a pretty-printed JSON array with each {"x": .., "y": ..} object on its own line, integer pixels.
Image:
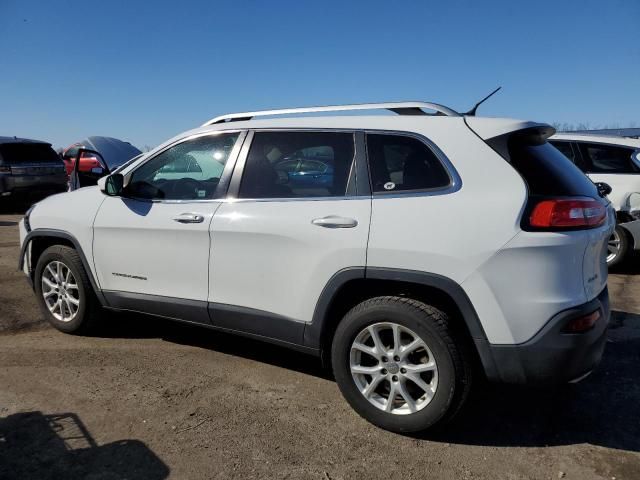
[
  {"x": 617, "y": 246},
  {"x": 64, "y": 291},
  {"x": 396, "y": 363}
]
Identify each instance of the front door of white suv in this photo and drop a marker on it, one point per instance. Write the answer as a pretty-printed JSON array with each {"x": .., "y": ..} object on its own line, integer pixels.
[
  {"x": 295, "y": 222},
  {"x": 151, "y": 245}
]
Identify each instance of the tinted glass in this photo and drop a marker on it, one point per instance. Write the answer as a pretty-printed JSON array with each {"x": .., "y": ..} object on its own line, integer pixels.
[
  {"x": 566, "y": 149},
  {"x": 190, "y": 170},
  {"x": 17, "y": 153},
  {"x": 71, "y": 153},
  {"x": 297, "y": 165},
  {"x": 400, "y": 163},
  {"x": 548, "y": 172},
  {"x": 608, "y": 159}
]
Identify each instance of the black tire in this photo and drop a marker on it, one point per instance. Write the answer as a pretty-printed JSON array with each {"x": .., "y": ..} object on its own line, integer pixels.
[
  {"x": 434, "y": 328},
  {"x": 623, "y": 247},
  {"x": 88, "y": 314}
]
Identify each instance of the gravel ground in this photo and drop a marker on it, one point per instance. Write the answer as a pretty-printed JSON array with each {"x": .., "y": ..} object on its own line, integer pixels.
[{"x": 152, "y": 399}]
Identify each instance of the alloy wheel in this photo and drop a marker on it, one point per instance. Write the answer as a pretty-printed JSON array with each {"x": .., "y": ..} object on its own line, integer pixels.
[
  {"x": 60, "y": 291},
  {"x": 393, "y": 368},
  {"x": 613, "y": 246}
]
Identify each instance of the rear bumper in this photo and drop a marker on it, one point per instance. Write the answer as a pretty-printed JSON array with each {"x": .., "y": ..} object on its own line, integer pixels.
[{"x": 552, "y": 357}]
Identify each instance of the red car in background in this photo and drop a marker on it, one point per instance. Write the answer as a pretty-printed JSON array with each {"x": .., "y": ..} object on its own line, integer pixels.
[
  {"x": 114, "y": 151},
  {"x": 87, "y": 161}
]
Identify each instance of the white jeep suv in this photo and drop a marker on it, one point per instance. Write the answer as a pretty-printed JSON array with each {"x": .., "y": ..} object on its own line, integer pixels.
[
  {"x": 616, "y": 162},
  {"x": 411, "y": 252}
]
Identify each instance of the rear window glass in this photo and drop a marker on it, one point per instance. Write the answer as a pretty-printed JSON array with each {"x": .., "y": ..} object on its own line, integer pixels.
[
  {"x": 18, "y": 153},
  {"x": 548, "y": 172}
]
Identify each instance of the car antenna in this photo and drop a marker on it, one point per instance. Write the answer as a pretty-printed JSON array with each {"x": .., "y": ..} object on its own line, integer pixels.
[{"x": 472, "y": 112}]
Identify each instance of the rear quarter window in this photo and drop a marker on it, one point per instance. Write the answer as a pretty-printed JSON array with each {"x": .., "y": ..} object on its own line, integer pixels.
[{"x": 403, "y": 163}]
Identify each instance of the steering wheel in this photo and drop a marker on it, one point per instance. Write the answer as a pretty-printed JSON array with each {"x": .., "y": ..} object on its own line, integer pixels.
[{"x": 185, "y": 189}]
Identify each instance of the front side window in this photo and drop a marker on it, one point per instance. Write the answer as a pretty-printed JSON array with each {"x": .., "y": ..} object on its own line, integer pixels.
[
  {"x": 608, "y": 158},
  {"x": 190, "y": 170},
  {"x": 297, "y": 165},
  {"x": 400, "y": 163}
]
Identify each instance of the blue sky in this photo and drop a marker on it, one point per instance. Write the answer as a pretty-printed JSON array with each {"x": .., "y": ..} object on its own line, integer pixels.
[{"x": 144, "y": 71}]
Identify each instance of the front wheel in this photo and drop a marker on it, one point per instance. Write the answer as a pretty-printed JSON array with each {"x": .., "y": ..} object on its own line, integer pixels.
[
  {"x": 397, "y": 364},
  {"x": 617, "y": 246},
  {"x": 64, "y": 291}
]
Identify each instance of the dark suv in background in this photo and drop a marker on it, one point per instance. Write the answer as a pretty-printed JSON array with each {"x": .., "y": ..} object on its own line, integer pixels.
[{"x": 30, "y": 167}]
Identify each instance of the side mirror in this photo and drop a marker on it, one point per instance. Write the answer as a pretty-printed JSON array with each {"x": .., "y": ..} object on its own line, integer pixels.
[
  {"x": 635, "y": 158},
  {"x": 112, "y": 185},
  {"x": 604, "y": 189}
]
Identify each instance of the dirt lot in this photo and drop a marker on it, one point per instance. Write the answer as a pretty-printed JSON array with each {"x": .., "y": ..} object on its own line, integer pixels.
[{"x": 151, "y": 399}]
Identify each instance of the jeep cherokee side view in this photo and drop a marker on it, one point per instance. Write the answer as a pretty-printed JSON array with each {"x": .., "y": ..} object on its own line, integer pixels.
[{"x": 421, "y": 249}]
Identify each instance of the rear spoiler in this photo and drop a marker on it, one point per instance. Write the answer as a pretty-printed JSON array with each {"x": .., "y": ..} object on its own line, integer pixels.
[{"x": 497, "y": 132}]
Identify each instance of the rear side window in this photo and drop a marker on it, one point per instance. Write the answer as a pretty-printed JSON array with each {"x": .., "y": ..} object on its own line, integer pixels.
[
  {"x": 298, "y": 165},
  {"x": 401, "y": 163},
  {"x": 23, "y": 153},
  {"x": 548, "y": 172},
  {"x": 608, "y": 158}
]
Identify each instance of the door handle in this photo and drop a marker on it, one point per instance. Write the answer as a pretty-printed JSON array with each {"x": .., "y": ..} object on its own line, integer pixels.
[
  {"x": 189, "y": 218},
  {"x": 333, "y": 221}
]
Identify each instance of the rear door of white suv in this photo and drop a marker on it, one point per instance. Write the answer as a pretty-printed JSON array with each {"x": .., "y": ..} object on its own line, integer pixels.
[
  {"x": 296, "y": 215},
  {"x": 151, "y": 245}
]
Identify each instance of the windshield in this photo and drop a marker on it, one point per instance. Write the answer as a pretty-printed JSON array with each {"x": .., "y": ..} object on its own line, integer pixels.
[{"x": 127, "y": 163}]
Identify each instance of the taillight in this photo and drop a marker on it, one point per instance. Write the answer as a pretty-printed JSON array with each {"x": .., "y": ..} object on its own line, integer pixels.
[
  {"x": 568, "y": 213},
  {"x": 5, "y": 169},
  {"x": 582, "y": 324}
]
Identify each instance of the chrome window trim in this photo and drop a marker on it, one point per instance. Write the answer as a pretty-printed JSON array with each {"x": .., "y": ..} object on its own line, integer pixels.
[
  {"x": 454, "y": 185},
  {"x": 221, "y": 188}
]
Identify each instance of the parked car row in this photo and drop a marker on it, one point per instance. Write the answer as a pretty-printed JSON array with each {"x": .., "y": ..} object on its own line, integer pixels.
[
  {"x": 32, "y": 168},
  {"x": 412, "y": 253},
  {"x": 616, "y": 162}
]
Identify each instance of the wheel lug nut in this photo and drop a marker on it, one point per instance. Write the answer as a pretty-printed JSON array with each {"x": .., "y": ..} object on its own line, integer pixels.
[
  {"x": 396, "y": 358},
  {"x": 395, "y": 378},
  {"x": 384, "y": 371},
  {"x": 385, "y": 359},
  {"x": 403, "y": 370}
]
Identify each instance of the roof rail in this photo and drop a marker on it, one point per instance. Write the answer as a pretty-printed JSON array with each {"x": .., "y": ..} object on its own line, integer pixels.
[{"x": 401, "y": 108}]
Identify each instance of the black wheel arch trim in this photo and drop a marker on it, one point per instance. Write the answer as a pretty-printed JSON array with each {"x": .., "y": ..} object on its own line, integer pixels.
[
  {"x": 53, "y": 233},
  {"x": 313, "y": 333}
]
